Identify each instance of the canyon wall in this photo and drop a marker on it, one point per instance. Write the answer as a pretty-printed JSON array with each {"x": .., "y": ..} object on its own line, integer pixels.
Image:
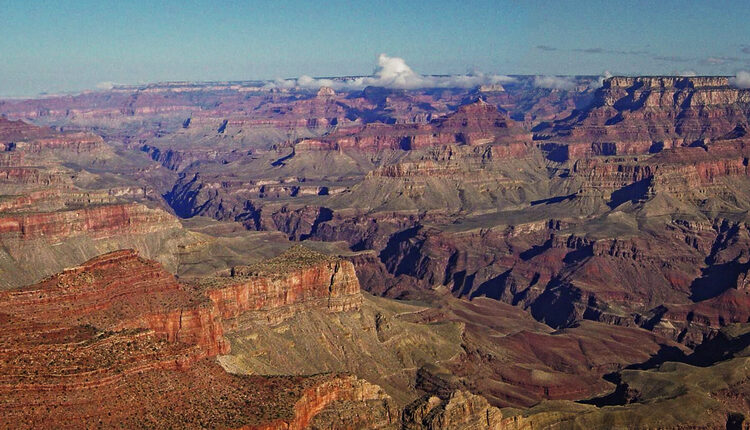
[{"x": 119, "y": 320}]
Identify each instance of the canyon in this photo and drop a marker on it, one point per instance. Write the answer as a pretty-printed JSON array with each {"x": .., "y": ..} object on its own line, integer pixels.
[{"x": 244, "y": 255}]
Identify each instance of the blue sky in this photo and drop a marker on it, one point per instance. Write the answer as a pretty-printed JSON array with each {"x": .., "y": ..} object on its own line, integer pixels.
[{"x": 53, "y": 46}]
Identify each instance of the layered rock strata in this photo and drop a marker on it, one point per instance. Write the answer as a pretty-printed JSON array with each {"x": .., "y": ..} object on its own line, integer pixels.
[
  {"x": 118, "y": 324},
  {"x": 473, "y": 124},
  {"x": 638, "y": 115}
]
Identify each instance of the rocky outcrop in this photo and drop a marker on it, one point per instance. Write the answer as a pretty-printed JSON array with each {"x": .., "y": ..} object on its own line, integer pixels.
[
  {"x": 121, "y": 323},
  {"x": 454, "y": 161},
  {"x": 277, "y": 288},
  {"x": 563, "y": 278},
  {"x": 79, "y": 143},
  {"x": 473, "y": 124},
  {"x": 11, "y": 131},
  {"x": 461, "y": 411},
  {"x": 33, "y": 176},
  {"x": 22, "y": 137},
  {"x": 119, "y": 291},
  {"x": 95, "y": 221},
  {"x": 57, "y": 198},
  {"x": 688, "y": 174},
  {"x": 665, "y": 82},
  {"x": 344, "y": 390},
  {"x": 180, "y": 158},
  {"x": 646, "y": 114}
]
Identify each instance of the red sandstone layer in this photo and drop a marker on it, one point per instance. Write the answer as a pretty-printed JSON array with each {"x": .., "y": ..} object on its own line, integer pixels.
[
  {"x": 118, "y": 324},
  {"x": 96, "y": 221}
]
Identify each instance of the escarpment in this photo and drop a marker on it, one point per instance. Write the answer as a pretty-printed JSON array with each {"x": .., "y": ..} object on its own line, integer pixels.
[
  {"x": 31, "y": 155},
  {"x": 647, "y": 114},
  {"x": 18, "y": 136},
  {"x": 118, "y": 324},
  {"x": 64, "y": 200},
  {"x": 278, "y": 287},
  {"x": 454, "y": 161},
  {"x": 39, "y": 243},
  {"x": 685, "y": 173},
  {"x": 118, "y": 291},
  {"x": 96, "y": 221},
  {"x": 121, "y": 290}
]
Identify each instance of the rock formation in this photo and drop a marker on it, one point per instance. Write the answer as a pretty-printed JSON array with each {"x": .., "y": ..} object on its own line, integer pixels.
[
  {"x": 461, "y": 411},
  {"x": 473, "y": 124},
  {"x": 295, "y": 279},
  {"x": 119, "y": 327},
  {"x": 23, "y": 137},
  {"x": 108, "y": 220},
  {"x": 646, "y": 114}
]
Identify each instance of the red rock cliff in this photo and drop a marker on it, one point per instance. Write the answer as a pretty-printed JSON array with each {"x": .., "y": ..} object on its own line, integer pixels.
[
  {"x": 119, "y": 327},
  {"x": 279, "y": 287},
  {"x": 629, "y": 115},
  {"x": 96, "y": 221}
]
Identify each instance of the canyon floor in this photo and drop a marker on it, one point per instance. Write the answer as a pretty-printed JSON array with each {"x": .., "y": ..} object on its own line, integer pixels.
[{"x": 230, "y": 255}]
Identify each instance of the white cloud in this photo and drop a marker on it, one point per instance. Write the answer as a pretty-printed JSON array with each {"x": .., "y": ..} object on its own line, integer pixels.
[
  {"x": 281, "y": 83},
  {"x": 106, "y": 85},
  {"x": 720, "y": 60},
  {"x": 305, "y": 81},
  {"x": 741, "y": 80},
  {"x": 598, "y": 82},
  {"x": 554, "y": 82},
  {"x": 393, "y": 72},
  {"x": 687, "y": 73}
]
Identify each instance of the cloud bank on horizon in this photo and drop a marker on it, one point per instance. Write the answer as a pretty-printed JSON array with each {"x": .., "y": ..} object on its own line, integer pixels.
[
  {"x": 106, "y": 85},
  {"x": 741, "y": 80},
  {"x": 554, "y": 82},
  {"x": 393, "y": 72}
]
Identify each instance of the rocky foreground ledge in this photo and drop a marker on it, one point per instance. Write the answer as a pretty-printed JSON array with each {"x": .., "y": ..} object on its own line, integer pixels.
[{"x": 119, "y": 341}]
